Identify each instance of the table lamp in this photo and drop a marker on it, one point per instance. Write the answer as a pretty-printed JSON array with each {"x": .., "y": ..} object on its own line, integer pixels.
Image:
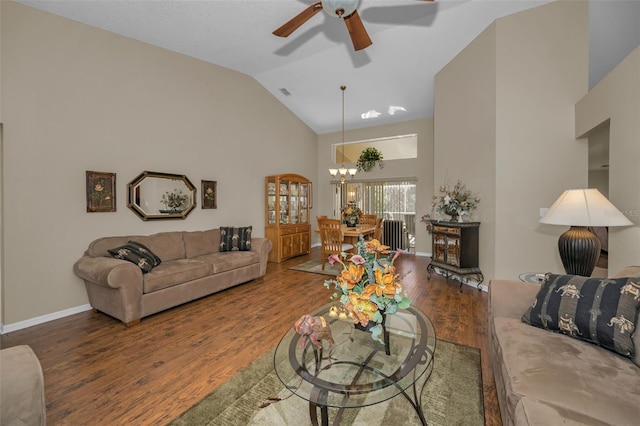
[{"x": 580, "y": 208}]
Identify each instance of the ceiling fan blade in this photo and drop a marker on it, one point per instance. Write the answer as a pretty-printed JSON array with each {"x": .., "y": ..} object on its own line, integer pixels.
[
  {"x": 299, "y": 19},
  {"x": 358, "y": 33}
]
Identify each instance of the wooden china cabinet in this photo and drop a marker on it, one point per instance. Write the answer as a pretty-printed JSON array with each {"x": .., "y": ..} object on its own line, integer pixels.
[
  {"x": 455, "y": 250},
  {"x": 287, "y": 215}
]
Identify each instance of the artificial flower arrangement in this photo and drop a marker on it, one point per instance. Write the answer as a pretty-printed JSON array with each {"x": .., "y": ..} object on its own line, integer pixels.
[
  {"x": 368, "y": 286},
  {"x": 456, "y": 201},
  {"x": 174, "y": 200},
  {"x": 351, "y": 213},
  {"x": 368, "y": 159}
]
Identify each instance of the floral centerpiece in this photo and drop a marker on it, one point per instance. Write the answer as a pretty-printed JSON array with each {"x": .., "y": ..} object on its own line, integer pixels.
[
  {"x": 351, "y": 213},
  {"x": 368, "y": 286},
  {"x": 368, "y": 159},
  {"x": 456, "y": 201},
  {"x": 174, "y": 200}
]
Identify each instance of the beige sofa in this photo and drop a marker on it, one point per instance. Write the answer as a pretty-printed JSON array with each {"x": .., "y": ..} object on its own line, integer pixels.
[
  {"x": 192, "y": 267},
  {"x": 547, "y": 378},
  {"x": 22, "y": 401}
]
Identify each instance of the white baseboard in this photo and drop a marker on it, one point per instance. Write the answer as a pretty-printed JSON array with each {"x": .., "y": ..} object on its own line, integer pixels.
[{"x": 8, "y": 328}]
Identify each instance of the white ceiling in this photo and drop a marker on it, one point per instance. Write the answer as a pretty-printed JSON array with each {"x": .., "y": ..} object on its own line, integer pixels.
[{"x": 412, "y": 41}]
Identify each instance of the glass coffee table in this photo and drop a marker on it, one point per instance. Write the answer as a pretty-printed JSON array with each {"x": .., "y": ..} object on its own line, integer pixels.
[{"x": 355, "y": 371}]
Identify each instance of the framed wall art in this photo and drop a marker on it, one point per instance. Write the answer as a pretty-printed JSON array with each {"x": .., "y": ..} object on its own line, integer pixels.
[
  {"x": 209, "y": 194},
  {"x": 101, "y": 192}
]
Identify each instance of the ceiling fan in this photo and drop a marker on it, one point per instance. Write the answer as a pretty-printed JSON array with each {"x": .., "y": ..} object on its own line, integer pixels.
[{"x": 345, "y": 9}]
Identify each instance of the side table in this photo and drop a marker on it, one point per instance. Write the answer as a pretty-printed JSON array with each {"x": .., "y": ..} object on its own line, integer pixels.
[{"x": 532, "y": 277}]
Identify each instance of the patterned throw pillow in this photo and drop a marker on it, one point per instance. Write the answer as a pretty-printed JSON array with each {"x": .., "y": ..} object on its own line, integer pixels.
[
  {"x": 234, "y": 238},
  {"x": 603, "y": 311},
  {"x": 138, "y": 254},
  {"x": 152, "y": 257}
]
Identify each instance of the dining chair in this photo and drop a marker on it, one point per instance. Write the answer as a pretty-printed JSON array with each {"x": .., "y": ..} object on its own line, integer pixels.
[
  {"x": 331, "y": 238},
  {"x": 368, "y": 219},
  {"x": 377, "y": 234}
]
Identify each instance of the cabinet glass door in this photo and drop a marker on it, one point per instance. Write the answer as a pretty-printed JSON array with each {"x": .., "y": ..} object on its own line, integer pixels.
[
  {"x": 440, "y": 247},
  {"x": 453, "y": 251},
  {"x": 294, "y": 201},
  {"x": 271, "y": 202},
  {"x": 284, "y": 203},
  {"x": 304, "y": 202}
]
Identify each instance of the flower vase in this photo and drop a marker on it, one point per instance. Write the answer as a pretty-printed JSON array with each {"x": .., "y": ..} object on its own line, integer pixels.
[
  {"x": 352, "y": 222},
  {"x": 385, "y": 334}
]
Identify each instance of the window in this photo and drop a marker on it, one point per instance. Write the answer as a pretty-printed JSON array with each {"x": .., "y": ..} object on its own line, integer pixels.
[
  {"x": 393, "y": 148},
  {"x": 392, "y": 200}
]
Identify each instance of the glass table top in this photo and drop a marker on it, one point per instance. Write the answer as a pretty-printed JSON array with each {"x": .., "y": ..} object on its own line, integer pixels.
[{"x": 355, "y": 371}]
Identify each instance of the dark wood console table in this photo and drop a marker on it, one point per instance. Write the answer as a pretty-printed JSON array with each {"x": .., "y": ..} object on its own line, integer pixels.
[{"x": 455, "y": 250}]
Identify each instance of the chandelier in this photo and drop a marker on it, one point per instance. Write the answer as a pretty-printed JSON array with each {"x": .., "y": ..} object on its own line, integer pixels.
[{"x": 342, "y": 170}]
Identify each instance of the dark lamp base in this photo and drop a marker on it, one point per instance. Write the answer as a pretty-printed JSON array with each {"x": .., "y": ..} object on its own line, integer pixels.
[{"x": 579, "y": 250}]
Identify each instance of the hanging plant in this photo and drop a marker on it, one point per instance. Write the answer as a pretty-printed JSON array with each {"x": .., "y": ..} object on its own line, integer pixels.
[{"x": 368, "y": 159}]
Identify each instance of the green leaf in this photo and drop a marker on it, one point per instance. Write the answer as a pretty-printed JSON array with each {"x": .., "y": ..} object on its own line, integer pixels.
[{"x": 405, "y": 304}]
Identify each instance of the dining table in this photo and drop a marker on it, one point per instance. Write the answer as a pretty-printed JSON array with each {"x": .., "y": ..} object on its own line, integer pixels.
[{"x": 352, "y": 234}]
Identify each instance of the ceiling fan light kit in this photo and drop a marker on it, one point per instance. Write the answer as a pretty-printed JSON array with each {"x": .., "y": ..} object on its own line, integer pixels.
[{"x": 339, "y": 8}]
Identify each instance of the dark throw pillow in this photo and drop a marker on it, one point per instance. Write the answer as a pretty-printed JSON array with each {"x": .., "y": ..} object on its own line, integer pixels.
[
  {"x": 603, "y": 311},
  {"x": 235, "y": 238},
  {"x": 153, "y": 258},
  {"x": 138, "y": 254}
]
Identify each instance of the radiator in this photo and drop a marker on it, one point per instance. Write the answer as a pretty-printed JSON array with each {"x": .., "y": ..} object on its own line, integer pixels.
[{"x": 393, "y": 235}]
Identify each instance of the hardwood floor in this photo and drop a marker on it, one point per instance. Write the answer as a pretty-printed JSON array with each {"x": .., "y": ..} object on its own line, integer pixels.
[{"x": 97, "y": 372}]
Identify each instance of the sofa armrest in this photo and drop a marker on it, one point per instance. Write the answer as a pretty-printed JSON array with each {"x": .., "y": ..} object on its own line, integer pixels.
[
  {"x": 262, "y": 246},
  {"x": 107, "y": 272},
  {"x": 22, "y": 399},
  {"x": 510, "y": 299}
]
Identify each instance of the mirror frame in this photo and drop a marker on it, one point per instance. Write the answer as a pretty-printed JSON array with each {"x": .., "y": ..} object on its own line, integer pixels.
[{"x": 144, "y": 215}]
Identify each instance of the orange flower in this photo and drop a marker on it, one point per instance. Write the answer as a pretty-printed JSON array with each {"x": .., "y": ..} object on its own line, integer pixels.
[
  {"x": 374, "y": 246},
  {"x": 385, "y": 284},
  {"x": 361, "y": 309},
  {"x": 351, "y": 275}
]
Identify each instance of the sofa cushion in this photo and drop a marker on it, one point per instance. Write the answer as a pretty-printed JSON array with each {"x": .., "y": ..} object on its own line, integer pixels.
[
  {"x": 235, "y": 238},
  {"x": 221, "y": 262},
  {"x": 599, "y": 310},
  {"x": 167, "y": 245},
  {"x": 573, "y": 375},
  {"x": 132, "y": 253},
  {"x": 198, "y": 243},
  {"x": 173, "y": 273}
]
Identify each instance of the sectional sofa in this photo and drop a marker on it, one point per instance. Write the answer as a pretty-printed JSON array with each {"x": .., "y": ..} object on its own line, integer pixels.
[{"x": 551, "y": 378}]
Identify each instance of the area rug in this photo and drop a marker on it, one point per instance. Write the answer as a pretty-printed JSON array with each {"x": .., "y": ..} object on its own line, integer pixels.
[
  {"x": 316, "y": 267},
  {"x": 452, "y": 396}
]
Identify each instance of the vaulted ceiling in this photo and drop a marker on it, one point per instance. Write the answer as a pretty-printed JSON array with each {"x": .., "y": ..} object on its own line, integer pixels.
[{"x": 412, "y": 41}]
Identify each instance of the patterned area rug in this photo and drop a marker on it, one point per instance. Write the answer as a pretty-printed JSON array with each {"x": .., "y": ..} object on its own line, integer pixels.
[
  {"x": 316, "y": 267},
  {"x": 452, "y": 396}
]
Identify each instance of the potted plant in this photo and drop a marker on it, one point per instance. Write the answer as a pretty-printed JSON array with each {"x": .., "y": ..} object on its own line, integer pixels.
[{"x": 368, "y": 159}]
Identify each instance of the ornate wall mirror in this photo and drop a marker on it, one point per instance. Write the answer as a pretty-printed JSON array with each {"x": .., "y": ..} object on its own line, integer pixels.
[{"x": 154, "y": 195}]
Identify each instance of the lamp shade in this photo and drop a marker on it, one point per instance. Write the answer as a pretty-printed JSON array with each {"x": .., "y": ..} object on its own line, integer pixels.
[{"x": 584, "y": 207}]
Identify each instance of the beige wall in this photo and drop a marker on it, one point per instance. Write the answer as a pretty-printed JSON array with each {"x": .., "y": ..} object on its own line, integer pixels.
[
  {"x": 617, "y": 97},
  {"x": 465, "y": 132},
  {"x": 516, "y": 146},
  {"x": 76, "y": 98},
  {"x": 420, "y": 168}
]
